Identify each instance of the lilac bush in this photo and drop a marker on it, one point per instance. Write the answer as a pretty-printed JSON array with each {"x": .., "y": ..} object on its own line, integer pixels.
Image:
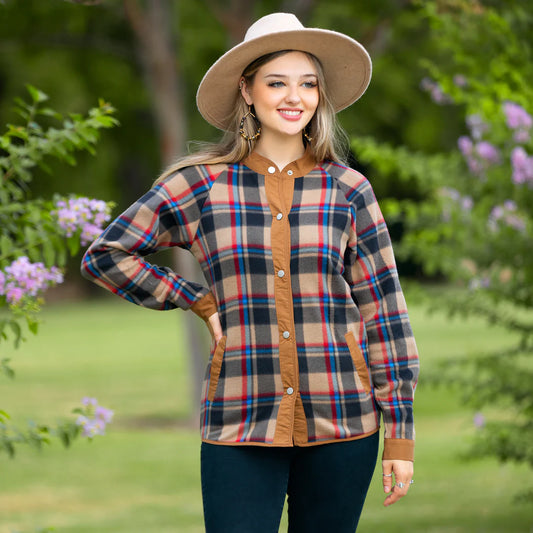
[
  {"x": 36, "y": 237},
  {"x": 470, "y": 220}
]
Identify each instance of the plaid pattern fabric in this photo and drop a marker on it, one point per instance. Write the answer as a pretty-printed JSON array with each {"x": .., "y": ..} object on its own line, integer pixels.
[{"x": 317, "y": 342}]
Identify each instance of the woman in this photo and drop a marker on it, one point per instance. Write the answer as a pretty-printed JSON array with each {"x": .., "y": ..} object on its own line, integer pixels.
[{"x": 312, "y": 343}]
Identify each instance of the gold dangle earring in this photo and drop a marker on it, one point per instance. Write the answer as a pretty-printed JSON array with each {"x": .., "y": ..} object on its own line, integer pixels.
[
  {"x": 241, "y": 127},
  {"x": 307, "y": 132}
]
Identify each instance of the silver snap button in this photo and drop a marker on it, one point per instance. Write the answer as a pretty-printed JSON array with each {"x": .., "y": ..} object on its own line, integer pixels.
[
  {"x": 290, "y": 390},
  {"x": 290, "y": 172},
  {"x": 271, "y": 170},
  {"x": 286, "y": 334},
  {"x": 279, "y": 216},
  {"x": 281, "y": 273}
]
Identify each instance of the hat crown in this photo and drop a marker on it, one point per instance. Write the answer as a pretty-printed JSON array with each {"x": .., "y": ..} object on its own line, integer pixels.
[{"x": 273, "y": 23}]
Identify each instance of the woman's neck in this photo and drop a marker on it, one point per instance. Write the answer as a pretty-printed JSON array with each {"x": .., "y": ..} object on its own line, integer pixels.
[{"x": 280, "y": 150}]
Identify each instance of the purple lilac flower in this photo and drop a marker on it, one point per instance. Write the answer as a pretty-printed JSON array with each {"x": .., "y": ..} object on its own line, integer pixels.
[
  {"x": 476, "y": 126},
  {"x": 23, "y": 278},
  {"x": 479, "y": 420},
  {"x": 479, "y": 283},
  {"x": 465, "y": 144},
  {"x": 488, "y": 152},
  {"x": 465, "y": 203},
  {"x": 85, "y": 214},
  {"x": 435, "y": 91},
  {"x": 87, "y": 402},
  {"x": 506, "y": 214},
  {"x": 516, "y": 116},
  {"x": 519, "y": 120},
  {"x": 522, "y": 167},
  {"x": 460, "y": 80},
  {"x": 95, "y": 419},
  {"x": 521, "y": 136},
  {"x": 478, "y": 156},
  {"x": 450, "y": 192}
]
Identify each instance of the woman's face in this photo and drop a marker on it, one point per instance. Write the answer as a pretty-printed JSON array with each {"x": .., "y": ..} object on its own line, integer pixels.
[{"x": 284, "y": 94}]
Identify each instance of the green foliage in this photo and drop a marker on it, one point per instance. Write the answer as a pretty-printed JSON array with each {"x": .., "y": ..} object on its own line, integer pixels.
[
  {"x": 30, "y": 228},
  {"x": 469, "y": 218},
  {"x": 27, "y": 146}
]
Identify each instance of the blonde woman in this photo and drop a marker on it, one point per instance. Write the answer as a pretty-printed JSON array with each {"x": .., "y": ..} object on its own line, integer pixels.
[{"x": 312, "y": 347}]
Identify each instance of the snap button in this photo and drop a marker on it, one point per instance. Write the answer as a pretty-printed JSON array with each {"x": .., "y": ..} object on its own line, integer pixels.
[
  {"x": 281, "y": 273},
  {"x": 271, "y": 170},
  {"x": 286, "y": 334},
  {"x": 290, "y": 390},
  {"x": 290, "y": 172},
  {"x": 279, "y": 216}
]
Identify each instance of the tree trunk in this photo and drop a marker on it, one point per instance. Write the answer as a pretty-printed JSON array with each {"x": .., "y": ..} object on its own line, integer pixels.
[
  {"x": 151, "y": 25},
  {"x": 235, "y": 16}
]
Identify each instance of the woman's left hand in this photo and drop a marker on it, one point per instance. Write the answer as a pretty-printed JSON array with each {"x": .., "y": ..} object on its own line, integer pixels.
[
  {"x": 215, "y": 328},
  {"x": 403, "y": 475}
]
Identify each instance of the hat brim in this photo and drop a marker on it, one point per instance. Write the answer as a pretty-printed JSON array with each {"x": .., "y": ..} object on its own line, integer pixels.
[{"x": 347, "y": 69}]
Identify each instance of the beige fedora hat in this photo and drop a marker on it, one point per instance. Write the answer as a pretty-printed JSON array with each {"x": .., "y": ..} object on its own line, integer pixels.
[{"x": 347, "y": 65}]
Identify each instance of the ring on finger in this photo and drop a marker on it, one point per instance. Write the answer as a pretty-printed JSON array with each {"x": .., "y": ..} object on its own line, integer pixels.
[
  {"x": 387, "y": 475},
  {"x": 400, "y": 485}
]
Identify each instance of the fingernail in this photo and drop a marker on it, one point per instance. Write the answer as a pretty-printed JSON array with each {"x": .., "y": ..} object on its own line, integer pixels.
[{"x": 387, "y": 489}]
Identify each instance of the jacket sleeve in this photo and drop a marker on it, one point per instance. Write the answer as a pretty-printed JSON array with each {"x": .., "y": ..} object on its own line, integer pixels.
[
  {"x": 167, "y": 215},
  {"x": 375, "y": 287}
]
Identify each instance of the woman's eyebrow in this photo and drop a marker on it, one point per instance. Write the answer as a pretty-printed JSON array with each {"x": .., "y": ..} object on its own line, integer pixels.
[{"x": 286, "y": 76}]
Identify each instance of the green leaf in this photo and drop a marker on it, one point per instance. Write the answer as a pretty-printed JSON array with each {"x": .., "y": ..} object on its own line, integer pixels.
[
  {"x": 60, "y": 249},
  {"x": 6, "y": 245},
  {"x": 73, "y": 244},
  {"x": 34, "y": 254},
  {"x": 33, "y": 325},
  {"x": 7, "y": 445},
  {"x": 36, "y": 95},
  {"x": 17, "y": 330},
  {"x": 17, "y": 131},
  {"x": 6, "y": 369},
  {"x": 4, "y": 415},
  {"x": 48, "y": 112},
  {"x": 48, "y": 253}
]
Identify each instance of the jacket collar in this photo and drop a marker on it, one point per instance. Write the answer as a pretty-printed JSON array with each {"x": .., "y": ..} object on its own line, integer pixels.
[{"x": 296, "y": 169}]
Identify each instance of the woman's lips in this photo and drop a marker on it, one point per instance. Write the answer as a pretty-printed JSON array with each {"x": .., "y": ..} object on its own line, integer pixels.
[{"x": 291, "y": 114}]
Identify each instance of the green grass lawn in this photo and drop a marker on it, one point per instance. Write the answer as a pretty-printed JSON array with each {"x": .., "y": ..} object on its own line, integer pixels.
[{"x": 143, "y": 476}]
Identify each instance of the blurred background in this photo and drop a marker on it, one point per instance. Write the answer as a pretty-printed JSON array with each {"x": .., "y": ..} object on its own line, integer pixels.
[{"x": 146, "y": 58}]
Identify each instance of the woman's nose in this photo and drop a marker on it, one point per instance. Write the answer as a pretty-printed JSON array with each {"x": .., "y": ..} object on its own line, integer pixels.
[{"x": 293, "y": 95}]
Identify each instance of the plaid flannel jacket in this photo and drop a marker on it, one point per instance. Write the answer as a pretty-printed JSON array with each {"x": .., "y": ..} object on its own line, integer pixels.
[{"x": 317, "y": 343}]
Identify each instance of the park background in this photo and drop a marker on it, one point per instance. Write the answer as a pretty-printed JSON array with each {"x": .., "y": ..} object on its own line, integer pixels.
[{"x": 435, "y": 64}]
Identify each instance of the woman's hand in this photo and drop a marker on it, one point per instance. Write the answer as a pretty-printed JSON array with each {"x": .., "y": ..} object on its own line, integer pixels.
[
  {"x": 213, "y": 323},
  {"x": 403, "y": 474}
]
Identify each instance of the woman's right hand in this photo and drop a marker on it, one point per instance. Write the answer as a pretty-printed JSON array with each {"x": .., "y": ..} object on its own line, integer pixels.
[{"x": 215, "y": 328}]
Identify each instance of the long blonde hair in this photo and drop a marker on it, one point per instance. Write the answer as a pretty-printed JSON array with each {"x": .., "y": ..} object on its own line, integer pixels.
[{"x": 328, "y": 139}]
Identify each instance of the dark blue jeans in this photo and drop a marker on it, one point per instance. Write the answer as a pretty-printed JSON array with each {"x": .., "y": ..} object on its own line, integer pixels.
[{"x": 244, "y": 487}]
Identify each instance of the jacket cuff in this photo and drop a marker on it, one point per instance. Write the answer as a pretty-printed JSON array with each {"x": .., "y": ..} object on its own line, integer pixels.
[
  {"x": 401, "y": 449},
  {"x": 205, "y": 306}
]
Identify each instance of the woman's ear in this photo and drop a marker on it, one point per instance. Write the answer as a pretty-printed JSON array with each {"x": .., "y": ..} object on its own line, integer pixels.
[{"x": 245, "y": 92}]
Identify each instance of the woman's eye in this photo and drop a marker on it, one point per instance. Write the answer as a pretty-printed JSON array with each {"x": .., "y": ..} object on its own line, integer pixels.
[
  {"x": 275, "y": 84},
  {"x": 310, "y": 84}
]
